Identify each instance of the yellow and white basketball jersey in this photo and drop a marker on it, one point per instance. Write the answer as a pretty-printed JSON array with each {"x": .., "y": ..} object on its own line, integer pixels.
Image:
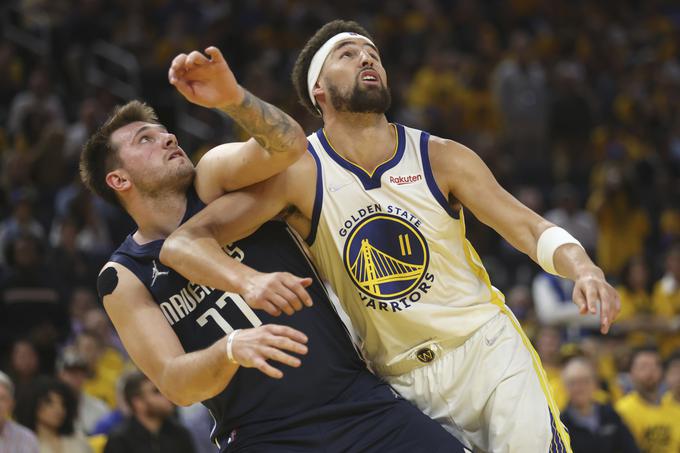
[{"x": 397, "y": 255}]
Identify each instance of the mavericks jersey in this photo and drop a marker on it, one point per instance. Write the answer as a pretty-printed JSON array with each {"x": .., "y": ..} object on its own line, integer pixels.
[
  {"x": 254, "y": 406},
  {"x": 396, "y": 254}
]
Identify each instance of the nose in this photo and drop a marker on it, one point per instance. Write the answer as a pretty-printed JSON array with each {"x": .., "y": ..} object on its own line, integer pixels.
[
  {"x": 169, "y": 140},
  {"x": 366, "y": 58}
]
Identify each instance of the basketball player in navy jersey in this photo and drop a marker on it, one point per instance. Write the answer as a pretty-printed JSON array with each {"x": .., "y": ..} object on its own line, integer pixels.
[
  {"x": 197, "y": 343},
  {"x": 372, "y": 200}
]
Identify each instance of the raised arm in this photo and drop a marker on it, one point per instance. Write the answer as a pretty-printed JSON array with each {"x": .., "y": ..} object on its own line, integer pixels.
[
  {"x": 277, "y": 140},
  {"x": 461, "y": 173},
  {"x": 187, "y": 378}
]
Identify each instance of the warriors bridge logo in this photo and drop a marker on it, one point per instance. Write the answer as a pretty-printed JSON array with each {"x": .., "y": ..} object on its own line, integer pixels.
[{"x": 386, "y": 256}]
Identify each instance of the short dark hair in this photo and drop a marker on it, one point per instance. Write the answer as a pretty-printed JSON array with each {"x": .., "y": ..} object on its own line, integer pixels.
[
  {"x": 132, "y": 386},
  {"x": 99, "y": 156},
  {"x": 303, "y": 61},
  {"x": 27, "y": 408}
]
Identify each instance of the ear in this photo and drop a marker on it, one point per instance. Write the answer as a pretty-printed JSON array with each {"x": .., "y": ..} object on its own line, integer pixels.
[
  {"x": 119, "y": 180},
  {"x": 319, "y": 93}
]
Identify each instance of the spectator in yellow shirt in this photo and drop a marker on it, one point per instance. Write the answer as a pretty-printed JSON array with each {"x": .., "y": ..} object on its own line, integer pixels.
[
  {"x": 622, "y": 223},
  {"x": 666, "y": 301},
  {"x": 654, "y": 426},
  {"x": 637, "y": 318},
  {"x": 105, "y": 365}
]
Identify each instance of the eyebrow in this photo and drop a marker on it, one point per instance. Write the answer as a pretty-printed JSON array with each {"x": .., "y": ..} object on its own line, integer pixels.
[
  {"x": 347, "y": 43},
  {"x": 148, "y": 126}
]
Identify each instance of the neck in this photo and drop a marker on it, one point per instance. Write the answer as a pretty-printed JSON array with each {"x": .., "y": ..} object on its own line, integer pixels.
[
  {"x": 152, "y": 424},
  {"x": 364, "y": 138},
  {"x": 46, "y": 433},
  {"x": 676, "y": 395},
  {"x": 584, "y": 409},
  {"x": 157, "y": 217},
  {"x": 652, "y": 397}
]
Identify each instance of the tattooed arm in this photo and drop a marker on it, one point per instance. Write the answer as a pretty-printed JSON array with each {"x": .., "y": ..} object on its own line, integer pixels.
[
  {"x": 277, "y": 141},
  {"x": 272, "y": 128}
]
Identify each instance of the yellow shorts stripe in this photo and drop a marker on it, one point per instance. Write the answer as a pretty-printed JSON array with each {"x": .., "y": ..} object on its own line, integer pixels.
[{"x": 543, "y": 379}]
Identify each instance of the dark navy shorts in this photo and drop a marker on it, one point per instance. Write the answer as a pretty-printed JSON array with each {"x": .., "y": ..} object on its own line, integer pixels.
[{"x": 378, "y": 421}]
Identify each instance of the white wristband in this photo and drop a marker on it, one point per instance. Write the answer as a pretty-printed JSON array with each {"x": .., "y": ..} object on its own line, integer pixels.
[
  {"x": 230, "y": 342},
  {"x": 549, "y": 241}
]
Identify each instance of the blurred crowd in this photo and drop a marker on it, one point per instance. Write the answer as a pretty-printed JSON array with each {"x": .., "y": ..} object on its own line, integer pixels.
[{"x": 574, "y": 105}]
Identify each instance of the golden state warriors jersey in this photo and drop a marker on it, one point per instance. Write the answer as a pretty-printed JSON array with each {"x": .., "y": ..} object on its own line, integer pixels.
[{"x": 396, "y": 254}]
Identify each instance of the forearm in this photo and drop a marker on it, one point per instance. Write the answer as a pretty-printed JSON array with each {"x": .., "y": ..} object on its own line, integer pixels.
[
  {"x": 273, "y": 129},
  {"x": 571, "y": 261},
  {"x": 197, "y": 376},
  {"x": 196, "y": 254},
  {"x": 195, "y": 248}
]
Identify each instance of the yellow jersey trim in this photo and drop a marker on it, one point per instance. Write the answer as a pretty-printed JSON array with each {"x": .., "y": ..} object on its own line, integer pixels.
[{"x": 370, "y": 174}]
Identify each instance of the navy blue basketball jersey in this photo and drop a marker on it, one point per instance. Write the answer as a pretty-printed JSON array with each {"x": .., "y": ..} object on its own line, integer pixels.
[{"x": 253, "y": 403}]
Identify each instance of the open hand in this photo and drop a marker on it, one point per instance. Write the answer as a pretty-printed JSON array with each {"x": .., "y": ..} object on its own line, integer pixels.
[
  {"x": 277, "y": 292},
  {"x": 253, "y": 347},
  {"x": 205, "y": 80}
]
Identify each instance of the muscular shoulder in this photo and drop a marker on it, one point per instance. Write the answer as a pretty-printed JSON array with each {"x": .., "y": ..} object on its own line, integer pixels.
[
  {"x": 116, "y": 280},
  {"x": 454, "y": 165},
  {"x": 451, "y": 156}
]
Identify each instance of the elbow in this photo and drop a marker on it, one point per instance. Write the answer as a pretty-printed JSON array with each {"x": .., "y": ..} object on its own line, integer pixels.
[
  {"x": 173, "y": 390},
  {"x": 178, "y": 398},
  {"x": 171, "y": 251},
  {"x": 182, "y": 401}
]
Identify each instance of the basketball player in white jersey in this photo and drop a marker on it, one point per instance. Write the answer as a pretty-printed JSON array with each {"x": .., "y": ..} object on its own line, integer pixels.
[{"x": 371, "y": 199}]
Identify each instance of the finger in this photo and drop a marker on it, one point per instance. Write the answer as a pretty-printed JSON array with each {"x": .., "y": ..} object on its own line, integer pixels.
[
  {"x": 616, "y": 306},
  {"x": 183, "y": 87},
  {"x": 281, "y": 303},
  {"x": 591, "y": 297},
  {"x": 286, "y": 343},
  {"x": 290, "y": 295},
  {"x": 610, "y": 308},
  {"x": 214, "y": 54},
  {"x": 286, "y": 331},
  {"x": 580, "y": 299},
  {"x": 270, "y": 308},
  {"x": 280, "y": 356},
  {"x": 178, "y": 62},
  {"x": 196, "y": 58},
  {"x": 605, "y": 308},
  {"x": 266, "y": 368},
  {"x": 177, "y": 69},
  {"x": 298, "y": 287}
]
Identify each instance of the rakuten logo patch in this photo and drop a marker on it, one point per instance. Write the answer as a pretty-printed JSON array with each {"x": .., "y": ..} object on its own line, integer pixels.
[{"x": 401, "y": 180}]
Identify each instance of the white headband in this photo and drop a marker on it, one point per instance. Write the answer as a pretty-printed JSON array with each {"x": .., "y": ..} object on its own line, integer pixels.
[{"x": 320, "y": 56}]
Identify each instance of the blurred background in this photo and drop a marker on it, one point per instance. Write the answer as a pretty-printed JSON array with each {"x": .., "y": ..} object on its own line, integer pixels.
[{"x": 574, "y": 105}]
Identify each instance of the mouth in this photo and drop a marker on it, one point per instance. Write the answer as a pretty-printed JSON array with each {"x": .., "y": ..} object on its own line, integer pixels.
[
  {"x": 369, "y": 77},
  {"x": 175, "y": 154}
]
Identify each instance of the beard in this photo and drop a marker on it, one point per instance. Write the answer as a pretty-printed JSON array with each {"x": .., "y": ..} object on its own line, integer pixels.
[
  {"x": 171, "y": 181},
  {"x": 360, "y": 100}
]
